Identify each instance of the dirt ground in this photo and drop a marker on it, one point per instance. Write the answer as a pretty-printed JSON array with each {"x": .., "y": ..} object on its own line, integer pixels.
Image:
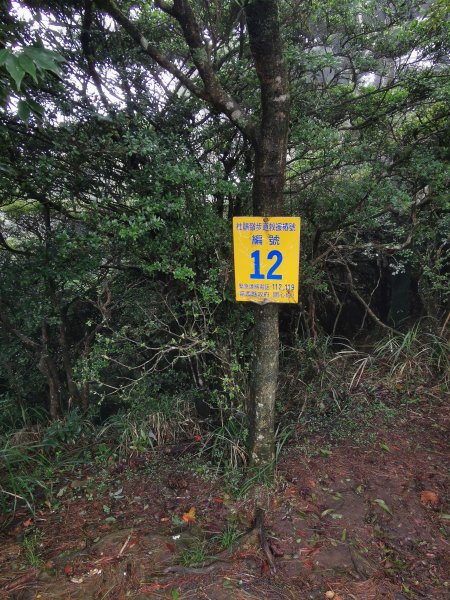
[{"x": 351, "y": 521}]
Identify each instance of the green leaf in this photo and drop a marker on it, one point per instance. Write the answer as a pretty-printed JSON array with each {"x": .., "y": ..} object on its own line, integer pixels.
[
  {"x": 61, "y": 492},
  {"x": 445, "y": 516},
  {"x": 55, "y": 55},
  {"x": 35, "y": 107},
  {"x": 27, "y": 65},
  {"x": 110, "y": 520},
  {"x": 3, "y": 95},
  {"x": 45, "y": 60},
  {"x": 382, "y": 504},
  {"x": 14, "y": 69},
  {"x": 5, "y": 168},
  {"x": 23, "y": 110},
  {"x": 4, "y": 53}
]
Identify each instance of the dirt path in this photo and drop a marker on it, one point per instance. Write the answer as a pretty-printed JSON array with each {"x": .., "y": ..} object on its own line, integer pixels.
[{"x": 354, "y": 522}]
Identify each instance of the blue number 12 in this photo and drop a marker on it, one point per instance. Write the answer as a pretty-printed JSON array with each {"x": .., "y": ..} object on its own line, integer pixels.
[{"x": 276, "y": 254}]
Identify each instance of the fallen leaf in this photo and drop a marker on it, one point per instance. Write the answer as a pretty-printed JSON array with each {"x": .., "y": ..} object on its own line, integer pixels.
[
  {"x": 110, "y": 519},
  {"x": 76, "y": 579},
  {"x": 171, "y": 547},
  {"x": 264, "y": 567},
  {"x": 382, "y": 504},
  {"x": 152, "y": 587},
  {"x": 429, "y": 497},
  {"x": 68, "y": 570},
  {"x": 218, "y": 500},
  {"x": 27, "y": 523},
  {"x": 308, "y": 564},
  {"x": 61, "y": 492},
  {"x": 189, "y": 516},
  {"x": 277, "y": 551}
]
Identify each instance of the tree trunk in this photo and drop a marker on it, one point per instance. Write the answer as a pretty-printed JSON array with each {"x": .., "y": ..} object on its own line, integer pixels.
[
  {"x": 46, "y": 364},
  {"x": 264, "y": 385},
  {"x": 85, "y": 388},
  {"x": 268, "y": 185},
  {"x": 48, "y": 367},
  {"x": 74, "y": 393},
  {"x": 53, "y": 390}
]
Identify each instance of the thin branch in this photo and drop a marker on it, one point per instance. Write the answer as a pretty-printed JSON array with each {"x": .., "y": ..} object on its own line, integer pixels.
[
  {"x": 212, "y": 92},
  {"x": 6, "y": 246},
  {"x": 361, "y": 300},
  {"x": 28, "y": 342},
  {"x": 88, "y": 52}
]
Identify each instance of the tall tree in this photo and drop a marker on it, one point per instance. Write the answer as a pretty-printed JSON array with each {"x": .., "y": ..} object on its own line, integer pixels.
[
  {"x": 267, "y": 133},
  {"x": 167, "y": 114}
]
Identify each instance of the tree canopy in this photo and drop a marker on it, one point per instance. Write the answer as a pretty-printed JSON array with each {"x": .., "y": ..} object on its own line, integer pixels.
[{"x": 131, "y": 134}]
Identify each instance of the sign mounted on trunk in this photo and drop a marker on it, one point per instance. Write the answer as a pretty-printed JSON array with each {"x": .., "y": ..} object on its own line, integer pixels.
[{"x": 266, "y": 259}]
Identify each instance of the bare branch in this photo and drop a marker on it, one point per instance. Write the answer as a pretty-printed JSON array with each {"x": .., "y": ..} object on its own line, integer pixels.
[{"x": 361, "y": 300}]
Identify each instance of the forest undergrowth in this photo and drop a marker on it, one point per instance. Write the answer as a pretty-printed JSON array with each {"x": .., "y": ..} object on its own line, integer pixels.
[{"x": 360, "y": 457}]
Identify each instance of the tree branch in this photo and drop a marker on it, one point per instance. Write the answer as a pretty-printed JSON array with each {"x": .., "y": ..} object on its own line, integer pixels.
[
  {"x": 5, "y": 245},
  {"x": 212, "y": 92},
  {"x": 361, "y": 300},
  {"x": 88, "y": 52},
  {"x": 28, "y": 342}
]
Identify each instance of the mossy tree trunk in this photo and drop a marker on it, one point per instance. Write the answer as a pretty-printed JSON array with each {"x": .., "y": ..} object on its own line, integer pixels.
[{"x": 268, "y": 185}]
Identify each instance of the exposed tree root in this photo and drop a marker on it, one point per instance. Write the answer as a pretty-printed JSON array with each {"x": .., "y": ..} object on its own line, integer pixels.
[
  {"x": 223, "y": 558},
  {"x": 259, "y": 526},
  {"x": 203, "y": 569}
]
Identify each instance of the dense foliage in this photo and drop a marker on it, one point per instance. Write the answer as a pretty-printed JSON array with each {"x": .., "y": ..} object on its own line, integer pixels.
[{"x": 118, "y": 184}]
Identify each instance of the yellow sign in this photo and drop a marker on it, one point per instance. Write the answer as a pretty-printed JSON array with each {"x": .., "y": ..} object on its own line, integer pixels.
[{"x": 266, "y": 258}]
